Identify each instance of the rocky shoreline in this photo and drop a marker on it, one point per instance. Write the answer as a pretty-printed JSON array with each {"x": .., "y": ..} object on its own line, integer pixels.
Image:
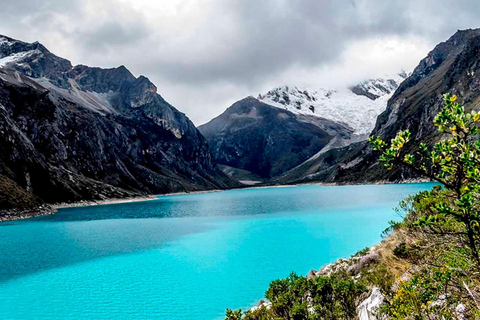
[
  {"x": 10, "y": 215},
  {"x": 86, "y": 203},
  {"x": 361, "y": 265},
  {"x": 361, "y": 183},
  {"x": 47, "y": 209}
]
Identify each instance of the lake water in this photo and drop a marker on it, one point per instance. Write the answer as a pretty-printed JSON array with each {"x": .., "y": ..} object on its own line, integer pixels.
[{"x": 183, "y": 257}]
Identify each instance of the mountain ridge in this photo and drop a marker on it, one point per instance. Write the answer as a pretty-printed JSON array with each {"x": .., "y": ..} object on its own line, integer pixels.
[
  {"x": 254, "y": 136},
  {"x": 341, "y": 105},
  {"x": 74, "y": 133}
]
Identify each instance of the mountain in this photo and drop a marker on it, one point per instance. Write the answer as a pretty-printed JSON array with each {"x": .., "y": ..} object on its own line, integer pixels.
[
  {"x": 267, "y": 141},
  {"x": 71, "y": 133},
  {"x": 286, "y": 126},
  {"x": 451, "y": 67},
  {"x": 356, "y": 106}
]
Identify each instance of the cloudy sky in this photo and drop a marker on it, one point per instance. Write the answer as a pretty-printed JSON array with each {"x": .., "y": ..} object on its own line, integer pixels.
[{"x": 203, "y": 55}]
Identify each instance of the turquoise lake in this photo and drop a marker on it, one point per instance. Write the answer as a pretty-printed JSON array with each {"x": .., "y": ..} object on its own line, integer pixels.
[{"x": 186, "y": 256}]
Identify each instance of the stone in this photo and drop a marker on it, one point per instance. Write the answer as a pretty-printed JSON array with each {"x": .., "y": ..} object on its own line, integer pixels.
[{"x": 368, "y": 309}]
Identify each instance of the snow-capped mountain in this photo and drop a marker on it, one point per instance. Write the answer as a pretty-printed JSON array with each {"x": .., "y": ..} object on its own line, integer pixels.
[{"x": 357, "y": 106}]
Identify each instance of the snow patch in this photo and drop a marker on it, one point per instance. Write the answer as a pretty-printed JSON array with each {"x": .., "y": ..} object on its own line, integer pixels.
[
  {"x": 4, "y": 41},
  {"x": 16, "y": 57}
]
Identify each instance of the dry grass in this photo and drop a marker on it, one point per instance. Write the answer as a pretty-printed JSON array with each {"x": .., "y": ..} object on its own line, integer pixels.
[
  {"x": 385, "y": 248},
  {"x": 12, "y": 196}
]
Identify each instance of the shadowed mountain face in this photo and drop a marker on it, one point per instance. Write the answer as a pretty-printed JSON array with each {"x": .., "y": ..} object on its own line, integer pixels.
[
  {"x": 265, "y": 140},
  {"x": 452, "y": 67},
  {"x": 70, "y": 133}
]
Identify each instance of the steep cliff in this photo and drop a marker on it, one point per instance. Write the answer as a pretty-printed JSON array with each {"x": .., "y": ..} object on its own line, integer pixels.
[{"x": 452, "y": 66}]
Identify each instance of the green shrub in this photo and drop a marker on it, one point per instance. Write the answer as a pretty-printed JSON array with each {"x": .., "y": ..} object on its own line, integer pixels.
[
  {"x": 362, "y": 252},
  {"x": 401, "y": 250},
  {"x": 233, "y": 314},
  {"x": 299, "y": 298}
]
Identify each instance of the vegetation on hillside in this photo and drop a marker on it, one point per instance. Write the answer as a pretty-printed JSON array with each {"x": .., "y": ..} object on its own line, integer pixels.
[
  {"x": 14, "y": 197},
  {"x": 429, "y": 266}
]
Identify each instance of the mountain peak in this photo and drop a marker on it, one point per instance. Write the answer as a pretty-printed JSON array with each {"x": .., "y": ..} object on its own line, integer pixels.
[
  {"x": 36, "y": 61},
  {"x": 379, "y": 87},
  {"x": 264, "y": 140},
  {"x": 31, "y": 59},
  {"x": 358, "y": 106},
  {"x": 463, "y": 35},
  {"x": 4, "y": 40}
]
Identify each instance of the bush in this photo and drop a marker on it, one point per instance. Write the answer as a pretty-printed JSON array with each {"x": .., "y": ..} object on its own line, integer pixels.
[
  {"x": 362, "y": 252},
  {"x": 233, "y": 314},
  {"x": 401, "y": 250},
  {"x": 301, "y": 298}
]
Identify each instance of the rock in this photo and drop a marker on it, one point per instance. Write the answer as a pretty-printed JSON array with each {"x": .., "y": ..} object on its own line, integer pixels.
[
  {"x": 326, "y": 270},
  {"x": 460, "y": 310},
  {"x": 340, "y": 264},
  {"x": 312, "y": 274},
  {"x": 440, "y": 302},
  {"x": 368, "y": 309},
  {"x": 262, "y": 303}
]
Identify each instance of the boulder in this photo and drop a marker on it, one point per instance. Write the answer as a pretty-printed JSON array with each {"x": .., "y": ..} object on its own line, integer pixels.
[{"x": 369, "y": 308}]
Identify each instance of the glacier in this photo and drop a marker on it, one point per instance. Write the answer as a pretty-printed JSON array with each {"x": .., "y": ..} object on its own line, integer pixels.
[{"x": 356, "y": 106}]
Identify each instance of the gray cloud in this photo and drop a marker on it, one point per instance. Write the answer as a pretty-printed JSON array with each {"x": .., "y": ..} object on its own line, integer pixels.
[{"x": 203, "y": 55}]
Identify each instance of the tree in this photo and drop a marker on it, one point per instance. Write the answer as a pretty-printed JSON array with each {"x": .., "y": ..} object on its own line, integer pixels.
[
  {"x": 455, "y": 163},
  {"x": 443, "y": 224}
]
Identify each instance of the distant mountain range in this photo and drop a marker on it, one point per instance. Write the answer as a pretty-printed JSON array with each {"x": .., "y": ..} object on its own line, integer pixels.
[
  {"x": 71, "y": 133},
  {"x": 286, "y": 126},
  {"x": 379, "y": 106}
]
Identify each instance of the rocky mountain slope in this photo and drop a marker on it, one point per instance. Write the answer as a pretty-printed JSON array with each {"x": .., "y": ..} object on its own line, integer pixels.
[
  {"x": 452, "y": 66},
  {"x": 357, "y": 106},
  {"x": 74, "y": 132},
  {"x": 265, "y": 140}
]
